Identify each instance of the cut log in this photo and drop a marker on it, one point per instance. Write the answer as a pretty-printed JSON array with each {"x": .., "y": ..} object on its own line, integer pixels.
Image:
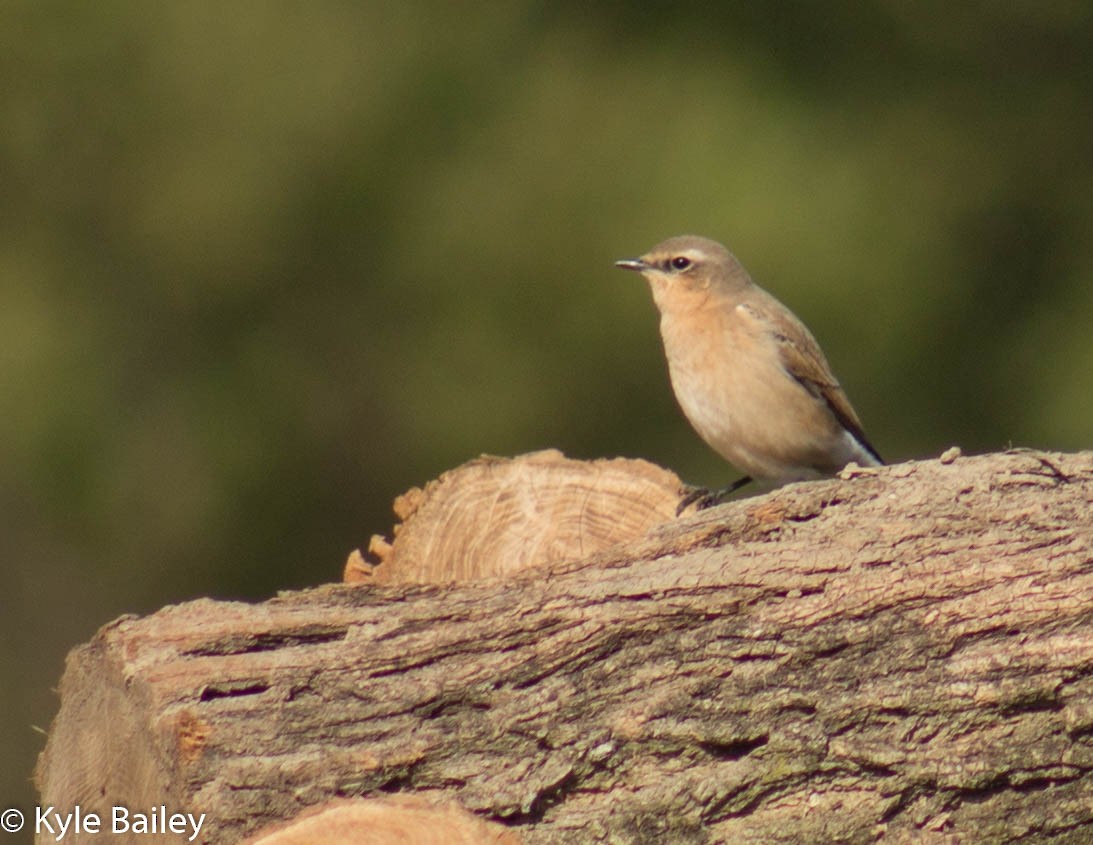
[
  {"x": 905, "y": 655},
  {"x": 495, "y": 516},
  {"x": 398, "y": 820}
]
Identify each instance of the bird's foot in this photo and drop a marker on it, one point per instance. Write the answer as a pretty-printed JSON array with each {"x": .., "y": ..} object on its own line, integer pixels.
[
  {"x": 700, "y": 497},
  {"x": 704, "y": 497}
]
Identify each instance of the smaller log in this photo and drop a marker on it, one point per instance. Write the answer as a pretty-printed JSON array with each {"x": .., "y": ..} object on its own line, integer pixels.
[
  {"x": 495, "y": 516},
  {"x": 394, "y": 820}
]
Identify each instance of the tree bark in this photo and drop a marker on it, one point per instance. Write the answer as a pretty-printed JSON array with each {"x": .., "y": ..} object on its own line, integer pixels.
[{"x": 901, "y": 655}]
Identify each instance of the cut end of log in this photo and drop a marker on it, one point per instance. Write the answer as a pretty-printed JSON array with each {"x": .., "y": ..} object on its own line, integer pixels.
[
  {"x": 360, "y": 569},
  {"x": 495, "y": 516},
  {"x": 397, "y": 820}
]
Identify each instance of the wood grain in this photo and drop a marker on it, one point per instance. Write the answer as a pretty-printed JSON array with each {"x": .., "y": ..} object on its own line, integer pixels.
[{"x": 495, "y": 516}]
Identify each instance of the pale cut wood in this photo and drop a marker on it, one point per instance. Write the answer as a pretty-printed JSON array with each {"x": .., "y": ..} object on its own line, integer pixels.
[
  {"x": 904, "y": 655},
  {"x": 396, "y": 820},
  {"x": 494, "y": 516}
]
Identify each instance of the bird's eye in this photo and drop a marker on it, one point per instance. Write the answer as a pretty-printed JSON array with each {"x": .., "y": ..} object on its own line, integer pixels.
[{"x": 681, "y": 262}]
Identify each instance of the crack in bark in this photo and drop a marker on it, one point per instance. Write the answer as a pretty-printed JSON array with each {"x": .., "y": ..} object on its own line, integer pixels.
[
  {"x": 233, "y": 690},
  {"x": 270, "y": 641}
]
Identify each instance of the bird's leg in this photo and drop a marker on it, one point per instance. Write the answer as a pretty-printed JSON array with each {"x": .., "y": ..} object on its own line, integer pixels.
[{"x": 704, "y": 497}]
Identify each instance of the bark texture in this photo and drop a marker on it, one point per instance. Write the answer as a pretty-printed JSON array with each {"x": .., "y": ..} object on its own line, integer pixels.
[{"x": 901, "y": 655}]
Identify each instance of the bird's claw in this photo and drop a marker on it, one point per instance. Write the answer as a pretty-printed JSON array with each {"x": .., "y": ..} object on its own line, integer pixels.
[
  {"x": 704, "y": 497},
  {"x": 693, "y": 496}
]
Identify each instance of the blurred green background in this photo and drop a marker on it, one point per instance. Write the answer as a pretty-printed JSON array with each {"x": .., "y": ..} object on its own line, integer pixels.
[{"x": 264, "y": 266}]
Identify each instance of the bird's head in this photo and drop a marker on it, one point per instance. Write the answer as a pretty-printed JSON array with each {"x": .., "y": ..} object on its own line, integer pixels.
[{"x": 687, "y": 269}]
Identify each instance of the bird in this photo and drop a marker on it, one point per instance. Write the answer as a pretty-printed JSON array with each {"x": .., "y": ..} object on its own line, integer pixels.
[{"x": 747, "y": 373}]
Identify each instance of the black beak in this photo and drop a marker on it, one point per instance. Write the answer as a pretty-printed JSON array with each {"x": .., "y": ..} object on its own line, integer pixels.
[{"x": 632, "y": 264}]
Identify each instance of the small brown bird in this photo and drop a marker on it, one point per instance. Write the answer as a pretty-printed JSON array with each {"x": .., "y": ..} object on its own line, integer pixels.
[{"x": 746, "y": 372}]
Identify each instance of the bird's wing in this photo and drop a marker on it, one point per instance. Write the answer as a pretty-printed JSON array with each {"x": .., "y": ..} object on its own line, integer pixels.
[{"x": 801, "y": 357}]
